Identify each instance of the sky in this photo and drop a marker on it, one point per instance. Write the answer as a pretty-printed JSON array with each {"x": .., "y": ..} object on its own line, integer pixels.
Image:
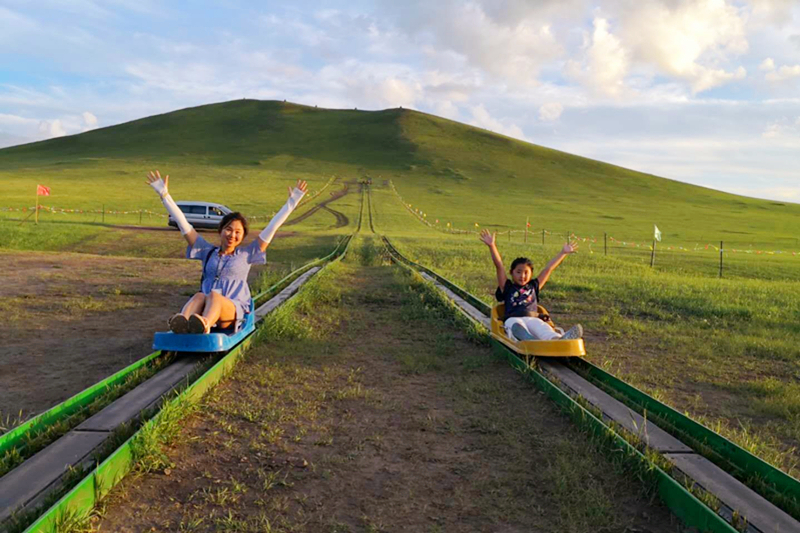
[{"x": 701, "y": 91}]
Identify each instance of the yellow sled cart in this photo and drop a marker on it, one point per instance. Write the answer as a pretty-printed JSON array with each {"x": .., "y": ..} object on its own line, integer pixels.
[{"x": 556, "y": 348}]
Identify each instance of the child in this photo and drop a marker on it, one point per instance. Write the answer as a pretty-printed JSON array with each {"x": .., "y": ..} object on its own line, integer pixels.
[{"x": 521, "y": 294}]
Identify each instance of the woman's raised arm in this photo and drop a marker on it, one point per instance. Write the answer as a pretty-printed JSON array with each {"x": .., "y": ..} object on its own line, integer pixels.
[
  {"x": 268, "y": 233},
  {"x": 160, "y": 186}
]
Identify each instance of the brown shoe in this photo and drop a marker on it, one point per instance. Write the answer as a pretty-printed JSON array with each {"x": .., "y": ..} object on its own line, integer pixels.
[
  {"x": 178, "y": 324},
  {"x": 198, "y": 324}
]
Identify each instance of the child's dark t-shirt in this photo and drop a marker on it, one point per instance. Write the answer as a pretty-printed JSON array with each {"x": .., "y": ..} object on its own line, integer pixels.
[{"x": 519, "y": 300}]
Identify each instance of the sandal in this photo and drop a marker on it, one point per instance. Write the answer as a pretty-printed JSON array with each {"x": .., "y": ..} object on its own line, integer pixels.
[
  {"x": 178, "y": 324},
  {"x": 198, "y": 324}
]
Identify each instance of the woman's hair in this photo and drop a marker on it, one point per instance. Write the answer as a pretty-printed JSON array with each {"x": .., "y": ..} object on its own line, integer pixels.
[
  {"x": 230, "y": 217},
  {"x": 521, "y": 261}
]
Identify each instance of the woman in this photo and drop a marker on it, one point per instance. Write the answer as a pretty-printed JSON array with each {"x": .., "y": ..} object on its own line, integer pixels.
[{"x": 224, "y": 296}]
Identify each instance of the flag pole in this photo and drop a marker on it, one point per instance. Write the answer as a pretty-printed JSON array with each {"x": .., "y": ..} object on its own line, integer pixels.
[
  {"x": 653, "y": 254},
  {"x": 527, "y": 223},
  {"x": 36, "y": 217}
]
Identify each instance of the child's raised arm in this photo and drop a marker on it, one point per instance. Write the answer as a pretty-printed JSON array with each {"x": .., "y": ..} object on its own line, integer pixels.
[
  {"x": 489, "y": 240},
  {"x": 569, "y": 248}
]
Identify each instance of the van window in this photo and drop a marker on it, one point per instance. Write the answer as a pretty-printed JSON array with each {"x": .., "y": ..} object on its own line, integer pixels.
[
  {"x": 215, "y": 211},
  {"x": 193, "y": 209}
]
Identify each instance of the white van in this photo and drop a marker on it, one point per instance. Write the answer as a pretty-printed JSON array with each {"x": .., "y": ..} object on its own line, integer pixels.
[{"x": 201, "y": 214}]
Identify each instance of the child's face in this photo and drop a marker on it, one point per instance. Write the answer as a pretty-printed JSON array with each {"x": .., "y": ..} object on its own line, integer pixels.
[{"x": 521, "y": 274}]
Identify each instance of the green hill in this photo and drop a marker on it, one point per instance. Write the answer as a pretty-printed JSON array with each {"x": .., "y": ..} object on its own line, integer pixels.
[{"x": 453, "y": 172}]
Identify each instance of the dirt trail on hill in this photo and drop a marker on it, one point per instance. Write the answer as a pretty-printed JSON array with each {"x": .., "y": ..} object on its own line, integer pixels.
[
  {"x": 341, "y": 218},
  {"x": 377, "y": 414}
]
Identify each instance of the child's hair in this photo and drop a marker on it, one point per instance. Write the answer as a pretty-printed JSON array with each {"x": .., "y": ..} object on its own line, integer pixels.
[
  {"x": 230, "y": 217},
  {"x": 521, "y": 261}
]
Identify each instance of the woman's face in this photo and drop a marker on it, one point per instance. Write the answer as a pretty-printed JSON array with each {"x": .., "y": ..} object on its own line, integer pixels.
[{"x": 231, "y": 235}]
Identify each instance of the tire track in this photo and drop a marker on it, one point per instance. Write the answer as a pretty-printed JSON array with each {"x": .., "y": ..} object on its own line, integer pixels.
[{"x": 341, "y": 219}]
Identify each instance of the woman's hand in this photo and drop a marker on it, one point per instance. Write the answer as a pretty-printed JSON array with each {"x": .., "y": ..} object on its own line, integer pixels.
[
  {"x": 160, "y": 186},
  {"x": 570, "y": 248},
  {"x": 301, "y": 185},
  {"x": 487, "y": 237}
]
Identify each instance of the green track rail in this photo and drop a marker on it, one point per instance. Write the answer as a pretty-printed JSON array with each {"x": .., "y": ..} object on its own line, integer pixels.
[
  {"x": 770, "y": 482},
  {"x": 17, "y": 437}
]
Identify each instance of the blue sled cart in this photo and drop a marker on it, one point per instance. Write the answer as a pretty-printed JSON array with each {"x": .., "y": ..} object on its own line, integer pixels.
[{"x": 216, "y": 341}]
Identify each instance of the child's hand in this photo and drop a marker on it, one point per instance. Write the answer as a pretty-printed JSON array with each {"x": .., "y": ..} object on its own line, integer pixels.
[
  {"x": 301, "y": 185},
  {"x": 570, "y": 248},
  {"x": 487, "y": 237}
]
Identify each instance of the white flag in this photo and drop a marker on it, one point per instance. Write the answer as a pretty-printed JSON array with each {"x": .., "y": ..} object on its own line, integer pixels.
[{"x": 657, "y": 234}]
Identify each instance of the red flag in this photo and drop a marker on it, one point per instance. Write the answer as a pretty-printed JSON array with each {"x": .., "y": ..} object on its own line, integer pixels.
[
  {"x": 41, "y": 190},
  {"x": 528, "y": 224}
]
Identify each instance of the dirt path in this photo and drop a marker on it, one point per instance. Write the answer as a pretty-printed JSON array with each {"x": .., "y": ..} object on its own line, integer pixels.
[
  {"x": 71, "y": 320},
  {"x": 341, "y": 218},
  {"x": 369, "y": 411}
]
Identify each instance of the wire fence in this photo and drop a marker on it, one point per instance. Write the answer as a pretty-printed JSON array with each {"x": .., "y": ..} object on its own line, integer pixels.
[
  {"x": 114, "y": 216},
  {"x": 777, "y": 259}
]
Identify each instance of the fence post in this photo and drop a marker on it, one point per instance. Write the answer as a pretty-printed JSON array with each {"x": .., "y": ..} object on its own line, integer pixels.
[
  {"x": 140, "y": 217},
  {"x": 720, "y": 258},
  {"x": 605, "y": 243},
  {"x": 104, "y": 214},
  {"x": 527, "y": 223}
]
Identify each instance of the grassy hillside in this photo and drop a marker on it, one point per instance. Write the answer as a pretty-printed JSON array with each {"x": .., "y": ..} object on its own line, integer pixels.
[{"x": 239, "y": 152}]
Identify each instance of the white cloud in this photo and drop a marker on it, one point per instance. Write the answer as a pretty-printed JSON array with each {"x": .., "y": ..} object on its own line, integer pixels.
[
  {"x": 605, "y": 62},
  {"x": 550, "y": 111},
  {"x": 772, "y": 12},
  {"x": 52, "y": 128},
  {"x": 512, "y": 45},
  {"x": 783, "y": 128},
  {"x": 784, "y": 73},
  {"x": 788, "y": 193},
  {"x": 690, "y": 40},
  {"x": 772, "y": 131},
  {"x": 446, "y": 109},
  {"x": 15, "y": 121},
  {"x": 767, "y": 65},
  {"x": 482, "y": 119},
  {"x": 89, "y": 120}
]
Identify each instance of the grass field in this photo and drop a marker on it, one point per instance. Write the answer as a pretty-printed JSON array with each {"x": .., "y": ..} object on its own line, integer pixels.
[{"x": 724, "y": 350}]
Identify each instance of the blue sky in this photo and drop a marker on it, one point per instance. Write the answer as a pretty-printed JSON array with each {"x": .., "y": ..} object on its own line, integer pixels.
[{"x": 701, "y": 91}]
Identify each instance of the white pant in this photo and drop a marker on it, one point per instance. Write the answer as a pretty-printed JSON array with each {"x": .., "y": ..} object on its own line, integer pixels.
[{"x": 536, "y": 326}]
